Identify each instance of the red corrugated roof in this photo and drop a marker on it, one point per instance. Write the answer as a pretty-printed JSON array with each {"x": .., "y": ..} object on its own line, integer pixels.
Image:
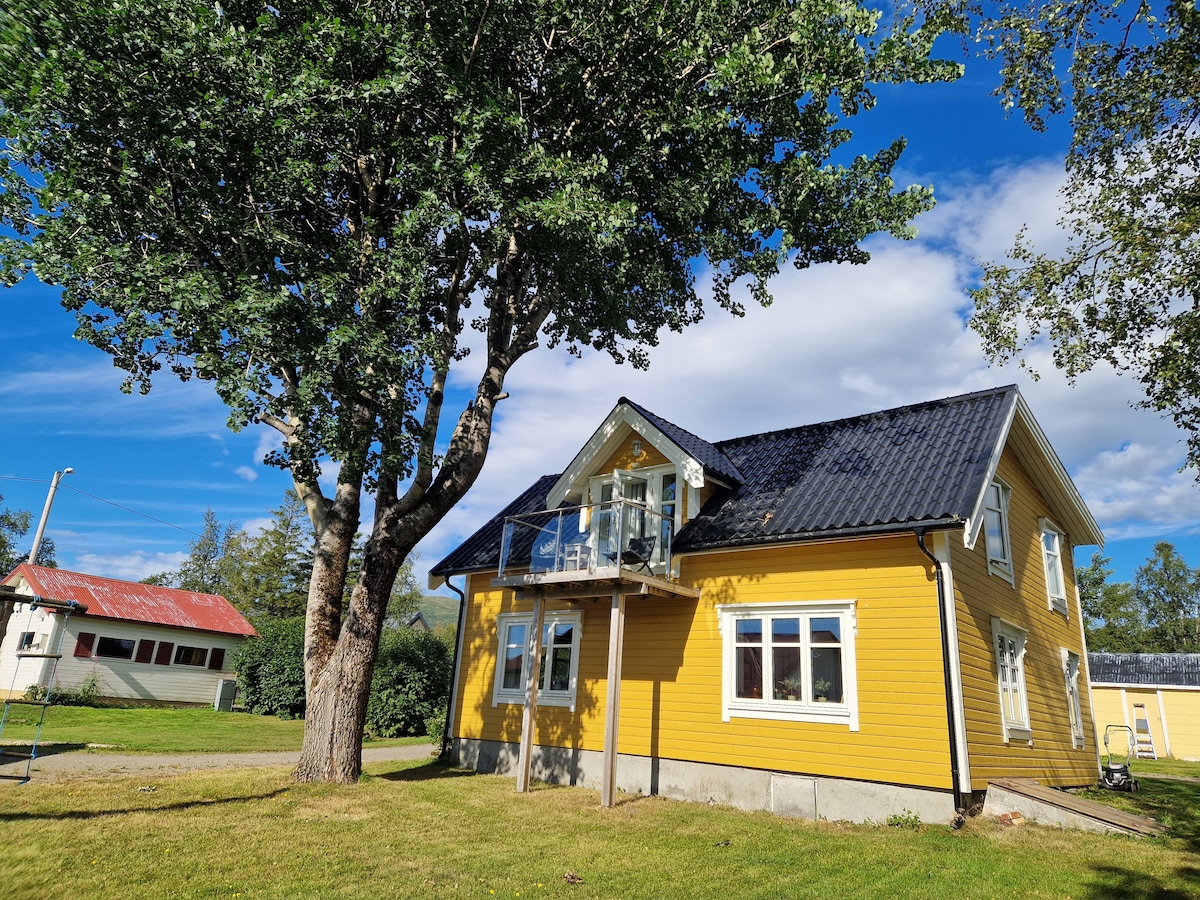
[{"x": 133, "y": 602}]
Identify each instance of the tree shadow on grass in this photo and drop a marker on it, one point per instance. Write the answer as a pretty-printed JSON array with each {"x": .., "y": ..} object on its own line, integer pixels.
[
  {"x": 1116, "y": 883},
  {"x": 426, "y": 771},
  {"x": 84, "y": 815},
  {"x": 43, "y": 750}
]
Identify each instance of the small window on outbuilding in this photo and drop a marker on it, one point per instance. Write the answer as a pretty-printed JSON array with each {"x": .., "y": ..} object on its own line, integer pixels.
[
  {"x": 115, "y": 648},
  {"x": 191, "y": 656}
]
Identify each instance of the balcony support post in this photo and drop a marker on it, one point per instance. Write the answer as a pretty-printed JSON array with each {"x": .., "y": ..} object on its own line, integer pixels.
[
  {"x": 612, "y": 716},
  {"x": 533, "y": 660}
]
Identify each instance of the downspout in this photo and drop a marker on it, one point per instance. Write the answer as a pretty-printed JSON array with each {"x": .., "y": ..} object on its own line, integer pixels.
[
  {"x": 444, "y": 753},
  {"x": 955, "y": 775}
]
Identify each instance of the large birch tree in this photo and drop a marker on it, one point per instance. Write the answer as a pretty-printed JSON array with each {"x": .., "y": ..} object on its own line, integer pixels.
[{"x": 307, "y": 204}]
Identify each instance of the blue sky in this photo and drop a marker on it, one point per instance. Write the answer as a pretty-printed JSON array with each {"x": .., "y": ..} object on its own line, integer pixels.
[{"x": 838, "y": 341}]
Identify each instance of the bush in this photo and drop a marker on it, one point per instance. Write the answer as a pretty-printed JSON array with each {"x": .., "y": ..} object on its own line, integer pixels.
[
  {"x": 411, "y": 683},
  {"x": 83, "y": 694},
  {"x": 270, "y": 669}
]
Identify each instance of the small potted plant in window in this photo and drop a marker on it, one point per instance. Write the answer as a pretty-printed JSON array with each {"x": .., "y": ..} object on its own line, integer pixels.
[
  {"x": 793, "y": 687},
  {"x": 821, "y": 690}
]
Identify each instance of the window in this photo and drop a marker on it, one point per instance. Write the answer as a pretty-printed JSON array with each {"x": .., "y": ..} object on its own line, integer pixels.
[
  {"x": 559, "y": 665},
  {"x": 995, "y": 526},
  {"x": 1010, "y": 672},
  {"x": 191, "y": 656},
  {"x": 25, "y": 641},
  {"x": 1052, "y": 550},
  {"x": 656, "y": 489},
  {"x": 790, "y": 661},
  {"x": 1074, "y": 713},
  {"x": 115, "y": 648}
]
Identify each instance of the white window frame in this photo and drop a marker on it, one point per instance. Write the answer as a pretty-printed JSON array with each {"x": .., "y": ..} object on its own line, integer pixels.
[
  {"x": 545, "y": 697},
  {"x": 1070, "y": 663},
  {"x": 804, "y": 710},
  {"x": 1000, "y": 565},
  {"x": 1053, "y": 563},
  {"x": 1009, "y": 645},
  {"x": 653, "y": 477}
]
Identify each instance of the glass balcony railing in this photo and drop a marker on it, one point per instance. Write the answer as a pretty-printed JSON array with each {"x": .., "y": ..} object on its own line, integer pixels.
[{"x": 618, "y": 534}]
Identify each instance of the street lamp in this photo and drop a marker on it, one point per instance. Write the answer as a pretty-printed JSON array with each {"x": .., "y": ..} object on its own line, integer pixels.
[{"x": 41, "y": 529}]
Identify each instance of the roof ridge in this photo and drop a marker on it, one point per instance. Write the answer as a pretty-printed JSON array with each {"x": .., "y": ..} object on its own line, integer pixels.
[{"x": 927, "y": 404}]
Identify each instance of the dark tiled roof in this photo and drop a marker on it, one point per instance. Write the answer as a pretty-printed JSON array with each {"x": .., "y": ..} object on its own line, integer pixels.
[
  {"x": 697, "y": 448},
  {"x": 1181, "y": 669},
  {"x": 890, "y": 470},
  {"x": 482, "y": 549}
]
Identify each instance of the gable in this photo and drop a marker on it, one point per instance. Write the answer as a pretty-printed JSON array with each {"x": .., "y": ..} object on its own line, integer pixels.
[
  {"x": 1022, "y": 436},
  {"x": 693, "y": 457}
]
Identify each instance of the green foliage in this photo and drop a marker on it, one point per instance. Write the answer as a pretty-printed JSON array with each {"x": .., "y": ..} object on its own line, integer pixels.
[
  {"x": 1157, "y": 613},
  {"x": 1125, "y": 289},
  {"x": 267, "y": 576},
  {"x": 411, "y": 683},
  {"x": 908, "y": 820},
  {"x": 86, "y": 693},
  {"x": 1170, "y": 592},
  {"x": 271, "y": 669},
  {"x": 14, "y": 524}
]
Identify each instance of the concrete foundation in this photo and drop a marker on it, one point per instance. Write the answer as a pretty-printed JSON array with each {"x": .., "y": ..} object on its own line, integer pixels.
[{"x": 785, "y": 794}]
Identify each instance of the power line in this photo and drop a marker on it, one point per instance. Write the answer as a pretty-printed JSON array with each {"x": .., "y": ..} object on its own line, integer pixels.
[{"x": 102, "y": 500}]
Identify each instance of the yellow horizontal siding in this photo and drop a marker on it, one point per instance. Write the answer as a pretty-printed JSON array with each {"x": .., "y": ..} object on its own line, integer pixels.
[
  {"x": 978, "y": 597},
  {"x": 671, "y": 686}
]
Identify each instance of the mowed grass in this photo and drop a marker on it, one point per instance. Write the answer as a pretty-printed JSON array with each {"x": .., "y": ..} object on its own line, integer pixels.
[
  {"x": 420, "y": 829},
  {"x": 155, "y": 730}
]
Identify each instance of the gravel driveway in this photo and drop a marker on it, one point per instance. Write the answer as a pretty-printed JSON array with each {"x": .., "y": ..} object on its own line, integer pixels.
[{"x": 88, "y": 764}]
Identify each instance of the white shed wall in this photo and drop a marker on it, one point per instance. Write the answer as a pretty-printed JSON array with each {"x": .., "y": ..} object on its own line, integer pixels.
[{"x": 119, "y": 678}]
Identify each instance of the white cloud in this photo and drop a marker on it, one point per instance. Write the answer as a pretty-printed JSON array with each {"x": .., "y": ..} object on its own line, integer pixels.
[
  {"x": 246, "y": 473},
  {"x": 130, "y": 566}
]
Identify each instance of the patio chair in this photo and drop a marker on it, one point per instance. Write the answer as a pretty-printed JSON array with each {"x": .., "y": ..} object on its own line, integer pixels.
[{"x": 638, "y": 553}]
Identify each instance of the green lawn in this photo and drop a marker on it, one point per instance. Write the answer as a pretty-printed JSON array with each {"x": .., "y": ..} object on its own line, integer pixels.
[
  {"x": 420, "y": 829},
  {"x": 153, "y": 730}
]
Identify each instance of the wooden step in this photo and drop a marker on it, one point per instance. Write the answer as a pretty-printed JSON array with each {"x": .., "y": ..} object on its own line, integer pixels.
[
  {"x": 27, "y": 703},
  {"x": 24, "y": 655},
  {"x": 15, "y": 754}
]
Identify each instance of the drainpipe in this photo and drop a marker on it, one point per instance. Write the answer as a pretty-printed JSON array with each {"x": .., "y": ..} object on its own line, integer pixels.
[
  {"x": 458, "y": 642},
  {"x": 955, "y": 775}
]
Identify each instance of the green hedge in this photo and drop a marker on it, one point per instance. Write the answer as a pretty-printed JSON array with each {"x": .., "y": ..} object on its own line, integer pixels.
[
  {"x": 411, "y": 683},
  {"x": 271, "y": 669}
]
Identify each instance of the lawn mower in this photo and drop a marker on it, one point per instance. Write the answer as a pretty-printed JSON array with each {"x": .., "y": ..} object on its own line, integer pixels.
[{"x": 1114, "y": 775}]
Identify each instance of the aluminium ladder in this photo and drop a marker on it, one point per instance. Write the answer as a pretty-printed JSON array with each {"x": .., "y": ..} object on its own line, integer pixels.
[
  {"x": 1143, "y": 738},
  {"x": 8, "y": 754}
]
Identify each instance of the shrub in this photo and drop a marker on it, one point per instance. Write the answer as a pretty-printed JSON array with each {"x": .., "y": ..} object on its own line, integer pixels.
[
  {"x": 411, "y": 683},
  {"x": 83, "y": 694},
  {"x": 270, "y": 669}
]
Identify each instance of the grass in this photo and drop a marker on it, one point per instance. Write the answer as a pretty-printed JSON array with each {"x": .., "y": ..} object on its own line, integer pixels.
[
  {"x": 157, "y": 730},
  {"x": 419, "y": 829}
]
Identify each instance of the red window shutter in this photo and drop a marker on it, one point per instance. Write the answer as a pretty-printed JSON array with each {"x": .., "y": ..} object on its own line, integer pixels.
[
  {"x": 163, "y": 658},
  {"x": 84, "y": 644},
  {"x": 145, "y": 652},
  {"x": 216, "y": 659}
]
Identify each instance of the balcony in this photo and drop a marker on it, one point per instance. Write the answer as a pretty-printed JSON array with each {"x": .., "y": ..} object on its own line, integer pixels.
[{"x": 583, "y": 551}]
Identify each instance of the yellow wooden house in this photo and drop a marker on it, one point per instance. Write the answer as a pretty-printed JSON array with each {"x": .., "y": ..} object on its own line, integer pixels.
[{"x": 846, "y": 620}]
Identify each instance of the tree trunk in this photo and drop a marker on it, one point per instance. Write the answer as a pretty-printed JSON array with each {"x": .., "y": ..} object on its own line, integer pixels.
[{"x": 338, "y": 678}]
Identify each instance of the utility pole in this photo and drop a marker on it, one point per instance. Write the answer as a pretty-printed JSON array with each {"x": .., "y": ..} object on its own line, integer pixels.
[{"x": 41, "y": 529}]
